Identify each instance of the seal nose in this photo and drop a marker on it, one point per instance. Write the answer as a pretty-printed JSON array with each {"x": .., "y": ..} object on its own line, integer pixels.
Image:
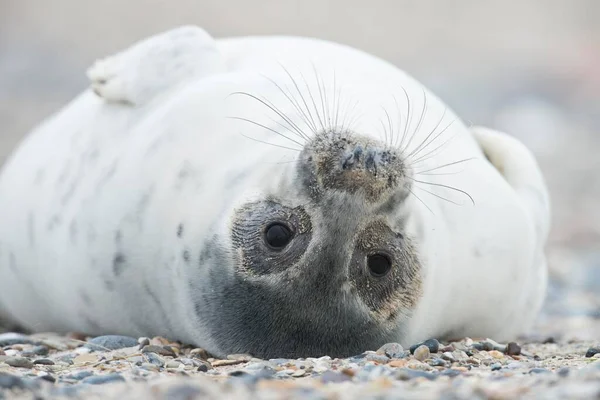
[{"x": 351, "y": 163}]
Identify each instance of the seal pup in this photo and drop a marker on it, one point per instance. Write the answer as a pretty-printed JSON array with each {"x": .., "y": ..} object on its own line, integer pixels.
[{"x": 279, "y": 196}]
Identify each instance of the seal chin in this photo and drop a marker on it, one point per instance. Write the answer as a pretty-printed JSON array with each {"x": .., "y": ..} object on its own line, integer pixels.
[{"x": 351, "y": 163}]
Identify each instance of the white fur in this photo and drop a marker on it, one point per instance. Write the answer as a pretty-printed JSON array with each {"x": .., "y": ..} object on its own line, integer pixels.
[{"x": 86, "y": 172}]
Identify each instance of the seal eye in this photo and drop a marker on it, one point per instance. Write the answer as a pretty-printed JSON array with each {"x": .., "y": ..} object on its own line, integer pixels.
[
  {"x": 379, "y": 264},
  {"x": 278, "y": 235}
]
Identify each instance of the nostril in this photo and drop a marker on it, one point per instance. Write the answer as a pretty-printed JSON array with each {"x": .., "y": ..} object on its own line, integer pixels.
[{"x": 370, "y": 162}]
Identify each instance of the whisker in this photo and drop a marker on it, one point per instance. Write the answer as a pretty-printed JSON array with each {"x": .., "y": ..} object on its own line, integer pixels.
[
  {"x": 423, "y": 144},
  {"x": 312, "y": 99},
  {"x": 449, "y": 164},
  {"x": 295, "y": 104},
  {"x": 323, "y": 108},
  {"x": 421, "y": 118},
  {"x": 438, "y": 196},
  {"x": 445, "y": 186},
  {"x": 275, "y": 110},
  {"x": 430, "y": 154},
  {"x": 266, "y": 127},
  {"x": 422, "y": 202},
  {"x": 391, "y": 126},
  {"x": 302, "y": 97},
  {"x": 408, "y": 121},
  {"x": 270, "y": 144}
]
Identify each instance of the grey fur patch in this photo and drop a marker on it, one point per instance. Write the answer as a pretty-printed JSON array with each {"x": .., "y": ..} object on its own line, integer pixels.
[{"x": 119, "y": 263}]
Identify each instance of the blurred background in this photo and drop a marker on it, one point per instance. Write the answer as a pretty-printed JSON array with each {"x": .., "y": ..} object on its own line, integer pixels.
[{"x": 528, "y": 67}]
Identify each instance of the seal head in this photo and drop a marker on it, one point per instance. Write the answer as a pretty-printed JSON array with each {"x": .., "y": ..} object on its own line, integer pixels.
[{"x": 333, "y": 275}]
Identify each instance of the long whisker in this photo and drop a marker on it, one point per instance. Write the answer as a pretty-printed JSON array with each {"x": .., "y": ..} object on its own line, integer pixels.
[
  {"x": 267, "y": 128},
  {"x": 424, "y": 143},
  {"x": 430, "y": 154},
  {"x": 422, "y": 202},
  {"x": 302, "y": 97},
  {"x": 323, "y": 108},
  {"x": 438, "y": 196},
  {"x": 408, "y": 121},
  {"x": 445, "y": 186},
  {"x": 312, "y": 99},
  {"x": 449, "y": 164},
  {"x": 295, "y": 104},
  {"x": 275, "y": 110},
  {"x": 421, "y": 118},
  {"x": 391, "y": 126},
  {"x": 270, "y": 144}
]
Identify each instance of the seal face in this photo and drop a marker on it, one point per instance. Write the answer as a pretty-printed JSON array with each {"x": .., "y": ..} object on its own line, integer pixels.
[{"x": 202, "y": 192}]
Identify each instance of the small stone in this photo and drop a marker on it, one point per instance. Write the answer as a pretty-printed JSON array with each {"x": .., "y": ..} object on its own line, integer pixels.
[
  {"x": 539, "y": 371},
  {"x": 204, "y": 367},
  {"x": 19, "y": 362},
  {"x": 79, "y": 375},
  {"x": 406, "y": 374},
  {"x": 43, "y": 361},
  {"x": 143, "y": 340},
  {"x": 102, "y": 379},
  {"x": 592, "y": 351},
  {"x": 496, "y": 354},
  {"x": 47, "y": 378},
  {"x": 172, "y": 364},
  {"x": 10, "y": 382},
  {"x": 334, "y": 377},
  {"x": 392, "y": 350},
  {"x": 111, "y": 342},
  {"x": 398, "y": 363},
  {"x": 158, "y": 350},
  {"x": 432, "y": 344},
  {"x": 564, "y": 372},
  {"x": 10, "y": 339},
  {"x": 448, "y": 356},
  {"x": 377, "y": 358},
  {"x": 220, "y": 363},
  {"x": 154, "y": 359},
  {"x": 85, "y": 358},
  {"x": 12, "y": 352},
  {"x": 437, "y": 362},
  {"x": 150, "y": 367},
  {"x": 422, "y": 353},
  {"x": 513, "y": 349},
  {"x": 36, "y": 351},
  {"x": 199, "y": 353},
  {"x": 298, "y": 373},
  {"x": 452, "y": 372},
  {"x": 240, "y": 357},
  {"x": 496, "y": 366}
]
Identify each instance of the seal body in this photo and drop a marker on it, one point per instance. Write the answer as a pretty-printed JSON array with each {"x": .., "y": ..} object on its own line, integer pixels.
[{"x": 271, "y": 195}]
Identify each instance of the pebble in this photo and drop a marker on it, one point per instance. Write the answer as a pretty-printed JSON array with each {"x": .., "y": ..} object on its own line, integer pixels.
[
  {"x": 79, "y": 375},
  {"x": 173, "y": 364},
  {"x": 539, "y": 371},
  {"x": 199, "y": 353},
  {"x": 496, "y": 366},
  {"x": 448, "y": 356},
  {"x": 153, "y": 358},
  {"x": 10, "y": 339},
  {"x": 496, "y": 354},
  {"x": 392, "y": 350},
  {"x": 184, "y": 391},
  {"x": 405, "y": 374},
  {"x": 422, "y": 353},
  {"x": 102, "y": 379},
  {"x": 298, "y": 373},
  {"x": 43, "y": 361},
  {"x": 513, "y": 349},
  {"x": 10, "y": 382},
  {"x": 377, "y": 358},
  {"x": 334, "y": 377},
  {"x": 19, "y": 362},
  {"x": 432, "y": 344},
  {"x": 220, "y": 363},
  {"x": 36, "y": 351},
  {"x": 437, "y": 362},
  {"x": 111, "y": 342},
  {"x": 592, "y": 351},
  {"x": 158, "y": 350},
  {"x": 240, "y": 357}
]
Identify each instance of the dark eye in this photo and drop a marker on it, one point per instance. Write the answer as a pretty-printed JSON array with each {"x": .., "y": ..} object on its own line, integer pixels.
[
  {"x": 278, "y": 235},
  {"x": 379, "y": 264}
]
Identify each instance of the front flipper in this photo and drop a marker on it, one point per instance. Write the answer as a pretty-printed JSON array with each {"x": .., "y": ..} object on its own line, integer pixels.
[
  {"x": 520, "y": 169},
  {"x": 155, "y": 65}
]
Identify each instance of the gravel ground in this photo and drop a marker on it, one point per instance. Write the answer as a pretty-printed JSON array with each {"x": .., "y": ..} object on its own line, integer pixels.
[{"x": 108, "y": 367}]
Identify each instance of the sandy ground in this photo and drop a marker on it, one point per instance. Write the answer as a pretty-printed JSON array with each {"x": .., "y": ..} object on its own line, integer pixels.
[{"x": 531, "y": 68}]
